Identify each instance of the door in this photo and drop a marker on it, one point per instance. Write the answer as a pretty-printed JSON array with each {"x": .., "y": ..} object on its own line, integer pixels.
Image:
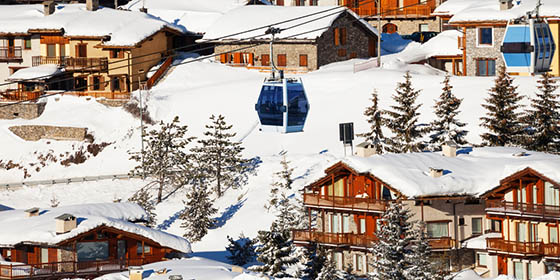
[
  {"x": 372, "y": 45},
  {"x": 121, "y": 249},
  {"x": 11, "y": 47},
  {"x": 502, "y": 265}
]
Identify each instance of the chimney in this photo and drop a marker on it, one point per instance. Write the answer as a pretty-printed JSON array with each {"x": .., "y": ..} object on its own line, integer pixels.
[
  {"x": 449, "y": 149},
  {"x": 48, "y": 8},
  {"x": 435, "y": 172},
  {"x": 65, "y": 223},
  {"x": 92, "y": 5},
  {"x": 506, "y": 4},
  {"x": 32, "y": 212},
  {"x": 144, "y": 10},
  {"x": 365, "y": 149}
]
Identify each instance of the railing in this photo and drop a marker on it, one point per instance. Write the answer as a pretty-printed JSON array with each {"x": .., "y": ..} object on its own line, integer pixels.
[
  {"x": 522, "y": 209},
  {"x": 552, "y": 250},
  {"x": 98, "y": 94},
  {"x": 442, "y": 243},
  {"x": 405, "y": 12},
  {"x": 10, "y": 53},
  {"x": 81, "y": 64},
  {"x": 350, "y": 203},
  {"x": 19, "y": 95},
  {"x": 515, "y": 247},
  {"x": 338, "y": 239},
  {"x": 152, "y": 80},
  {"x": 69, "y": 268}
]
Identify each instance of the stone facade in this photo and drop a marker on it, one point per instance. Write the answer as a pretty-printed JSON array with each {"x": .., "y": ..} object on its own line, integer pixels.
[
  {"x": 408, "y": 26},
  {"x": 22, "y": 110},
  {"x": 319, "y": 52},
  {"x": 38, "y": 132},
  {"x": 476, "y": 51}
]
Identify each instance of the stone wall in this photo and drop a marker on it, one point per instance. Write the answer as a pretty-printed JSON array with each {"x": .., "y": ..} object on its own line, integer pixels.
[
  {"x": 474, "y": 51},
  {"x": 22, "y": 110},
  {"x": 37, "y": 132},
  {"x": 408, "y": 26}
]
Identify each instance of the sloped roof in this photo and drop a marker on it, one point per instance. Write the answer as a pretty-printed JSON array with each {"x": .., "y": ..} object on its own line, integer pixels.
[
  {"x": 251, "y": 17},
  {"x": 17, "y": 228},
  {"x": 473, "y": 172},
  {"x": 489, "y": 11},
  {"x": 40, "y": 72}
]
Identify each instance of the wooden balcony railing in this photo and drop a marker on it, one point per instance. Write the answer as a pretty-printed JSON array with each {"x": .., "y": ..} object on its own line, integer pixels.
[
  {"x": 337, "y": 239},
  {"x": 442, "y": 243},
  {"x": 349, "y": 203},
  {"x": 522, "y": 209},
  {"x": 515, "y": 247},
  {"x": 10, "y": 53},
  {"x": 166, "y": 64},
  {"x": 66, "y": 269},
  {"x": 417, "y": 11},
  {"x": 552, "y": 250},
  {"x": 19, "y": 95},
  {"x": 79, "y": 64}
]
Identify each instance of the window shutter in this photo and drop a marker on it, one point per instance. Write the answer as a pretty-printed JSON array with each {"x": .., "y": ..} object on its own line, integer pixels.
[
  {"x": 336, "y": 36},
  {"x": 223, "y": 58},
  {"x": 121, "y": 53},
  {"x": 265, "y": 60},
  {"x": 90, "y": 83},
  {"x": 121, "y": 84},
  {"x": 251, "y": 59},
  {"x": 343, "y": 35},
  {"x": 303, "y": 60},
  {"x": 237, "y": 58},
  {"x": 101, "y": 83}
]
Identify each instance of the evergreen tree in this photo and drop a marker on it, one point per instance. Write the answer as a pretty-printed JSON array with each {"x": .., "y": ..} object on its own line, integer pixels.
[
  {"x": 241, "y": 251},
  {"x": 403, "y": 121},
  {"x": 287, "y": 216},
  {"x": 392, "y": 249},
  {"x": 198, "y": 211},
  {"x": 421, "y": 267},
  {"x": 543, "y": 118},
  {"x": 330, "y": 272},
  {"x": 221, "y": 156},
  {"x": 143, "y": 198},
  {"x": 314, "y": 259},
  {"x": 375, "y": 118},
  {"x": 275, "y": 252},
  {"x": 347, "y": 274},
  {"x": 163, "y": 156},
  {"x": 501, "y": 118},
  {"x": 283, "y": 183},
  {"x": 446, "y": 127}
]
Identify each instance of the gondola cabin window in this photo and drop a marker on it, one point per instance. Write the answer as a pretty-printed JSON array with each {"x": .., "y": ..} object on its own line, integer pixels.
[{"x": 485, "y": 36}]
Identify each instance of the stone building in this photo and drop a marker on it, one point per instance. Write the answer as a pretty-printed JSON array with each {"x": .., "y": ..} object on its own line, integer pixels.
[
  {"x": 304, "y": 44},
  {"x": 464, "y": 196}
]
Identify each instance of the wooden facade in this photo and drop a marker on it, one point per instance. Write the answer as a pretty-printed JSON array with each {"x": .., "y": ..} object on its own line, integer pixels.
[
  {"x": 392, "y": 8},
  {"x": 65, "y": 259}
]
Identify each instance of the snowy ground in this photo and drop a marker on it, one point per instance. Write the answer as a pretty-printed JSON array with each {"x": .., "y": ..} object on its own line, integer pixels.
[{"x": 195, "y": 91}]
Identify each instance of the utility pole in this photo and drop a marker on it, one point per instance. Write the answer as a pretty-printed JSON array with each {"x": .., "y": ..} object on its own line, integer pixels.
[
  {"x": 379, "y": 30},
  {"x": 140, "y": 89}
]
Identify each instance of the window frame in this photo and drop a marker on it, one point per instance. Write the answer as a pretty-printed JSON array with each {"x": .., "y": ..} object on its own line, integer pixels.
[
  {"x": 478, "y": 259},
  {"x": 549, "y": 227},
  {"x": 481, "y": 226},
  {"x": 25, "y": 40},
  {"x": 478, "y": 60},
  {"x": 479, "y": 37},
  {"x": 284, "y": 61},
  {"x": 265, "y": 62},
  {"x": 139, "y": 249},
  {"x": 303, "y": 58},
  {"x": 447, "y": 222}
]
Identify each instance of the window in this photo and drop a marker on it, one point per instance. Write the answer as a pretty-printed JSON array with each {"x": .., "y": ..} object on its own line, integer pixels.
[
  {"x": 359, "y": 263},
  {"x": 117, "y": 83},
  {"x": 147, "y": 248},
  {"x": 303, "y": 60},
  {"x": 486, "y": 67},
  {"x": 342, "y": 52},
  {"x": 482, "y": 259},
  {"x": 81, "y": 50},
  {"x": 335, "y": 223},
  {"x": 518, "y": 270},
  {"x": 353, "y": 55},
  {"x": 552, "y": 234},
  {"x": 282, "y": 60},
  {"x": 44, "y": 255},
  {"x": 495, "y": 225},
  {"x": 92, "y": 251},
  {"x": 438, "y": 229},
  {"x": 476, "y": 226},
  {"x": 117, "y": 53},
  {"x": 338, "y": 259},
  {"x": 551, "y": 195},
  {"x": 386, "y": 193},
  {"x": 485, "y": 36},
  {"x": 521, "y": 231},
  {"x": 362, "y": 226},
  {"x": 27, "y": 43},
  {"x": 62, "y": 49},
  {"x": 96, "y": 86},
  {"x": 51, "y": 50},
  {"x": 340, "y": 36},
  {"x": 461, "y": 221},
  {"x": 313, "y": 2},
  {"x": 300, "y": 2},
  {"x": 80, "y": 83},
  {"x": 346, "y": 224},
  {"x": 265, "y": 60},
  {"x": 529, "y": 271},
  {"x": 424, "y": 27}
]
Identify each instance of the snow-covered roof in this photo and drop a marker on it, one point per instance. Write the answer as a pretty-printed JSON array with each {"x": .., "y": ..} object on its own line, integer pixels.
[
  {"x": 479, "y": 242},
  {"x": 125, "y": 28},
  {"x": 484, "y": 10},
  {"x": 473, "y": 172},
  {"x": 444, "y": 44},
  {"x": 251, "y": 17},
  {"x": 41, "y": 71},
  {"x": 17, "y": 228}
]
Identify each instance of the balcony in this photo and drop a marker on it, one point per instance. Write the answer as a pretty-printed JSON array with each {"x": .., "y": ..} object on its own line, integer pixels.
[
  {"x": 416, "y": 11},
  {"x": 552, "y": 250},
  {"x": 498, "y": 245},
  {"x": 344, "y": 203},
  {"x": 441, "y": 244},
  {"x": 8, "y": 54},
  {"x": 19, "y": 95},
  {"x": 523, "y": 210},
  {"x": 333, "y": 239},
  {"x": 78, "y": 64}
]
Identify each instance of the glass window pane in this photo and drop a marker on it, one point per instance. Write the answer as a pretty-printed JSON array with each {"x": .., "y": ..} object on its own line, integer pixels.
[
  {"x": 553, "y": 233},
  {"x": 62, "y": 50},
  {"x": 362, "y": 225},
  {"x": 491, "y": 68},
  {"x": 437, "y": 230},
  {"x": 476, "y": 225},
  {"x": 51, "y": 50},
  {"x": 92, "y": 251},
  {"x": 270, "y": 104},
  {"x": 482, "y": 259},
  {"x": 529, "y": 271},
  {"x": 28, "y": 43},
  {"x": 518, "y": 270},
  {"x": 346, "y": 224},
  {"x": 481, "y": 67},
  {"x": 335, "y": 225},
  {"x": 44, "y": 255},
  {"x": 521, "y": 232},
  {"x": 485, "y": 36},
  {"x": 297, "y": 105}
]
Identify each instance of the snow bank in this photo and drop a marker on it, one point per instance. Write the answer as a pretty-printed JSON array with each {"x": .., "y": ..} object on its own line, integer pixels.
[
  {"x": 472, "y": 172},
  {"x": 472, "y": 275},
  {"x": 18, "y": 228},
  {"x": 236, "y": 21},
  {"x": 36, "y": 72},
  {"x": 125, "y": 28}
]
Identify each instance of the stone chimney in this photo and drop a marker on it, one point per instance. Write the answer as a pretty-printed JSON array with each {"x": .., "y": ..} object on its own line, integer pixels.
[
  {"x": 48, "y": 8},
  {"x": 449, "y": 149},
  {"x": 32, "y": 212},
  {"x": 435, "y": 172},
  {"x": 65, "y": 223},
  {"x": 506, "y": 4},
  {"x": 92, "y": 5}
]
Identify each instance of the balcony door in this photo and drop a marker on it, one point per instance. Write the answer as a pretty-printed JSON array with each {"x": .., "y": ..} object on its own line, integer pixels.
[
  {"x": 502, "y": 265},
  {"x": 11, "y": 47},
  {"x": 81, "y": 50},
  {"x": 521, "y": 232},
  {"x": 533, "y": 232}
]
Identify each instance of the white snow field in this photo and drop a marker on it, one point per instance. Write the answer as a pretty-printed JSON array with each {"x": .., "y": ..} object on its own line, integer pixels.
[{"x": 193, "y": 92}]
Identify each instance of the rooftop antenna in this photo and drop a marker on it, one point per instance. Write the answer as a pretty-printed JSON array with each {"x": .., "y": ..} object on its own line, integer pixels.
[{"x": 272, "y": 31}]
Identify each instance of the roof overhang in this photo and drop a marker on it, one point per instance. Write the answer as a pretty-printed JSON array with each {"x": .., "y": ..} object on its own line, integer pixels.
[{"x": 505, "y": 183}]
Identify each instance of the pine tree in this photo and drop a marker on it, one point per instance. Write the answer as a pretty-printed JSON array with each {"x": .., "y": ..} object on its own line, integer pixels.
[
  {"x": 286, "y": 217},
  {"x": 502, "y": 120},
  {"x": 421, "y": 268},
  {"x": 275, "y": 253},
  {"x": 403, "y": 121},
  {"x": 330, "y": 272},
  {"x": 241, "y": 251},
  {"x": 198, "y": 211},
  {"x": 143, "y": 198},
  {"x": 283, "y": 183},
  {"x": 221, "y": 156},
  {"x": 163, "y": 156},
  {"x": 314, "y": 259},
  {"x": 446, "y": 127},
  {"x": 392, "y": 248},
  {"x": 543, "y": 118},
  {"x": 375, "y": 118}
]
